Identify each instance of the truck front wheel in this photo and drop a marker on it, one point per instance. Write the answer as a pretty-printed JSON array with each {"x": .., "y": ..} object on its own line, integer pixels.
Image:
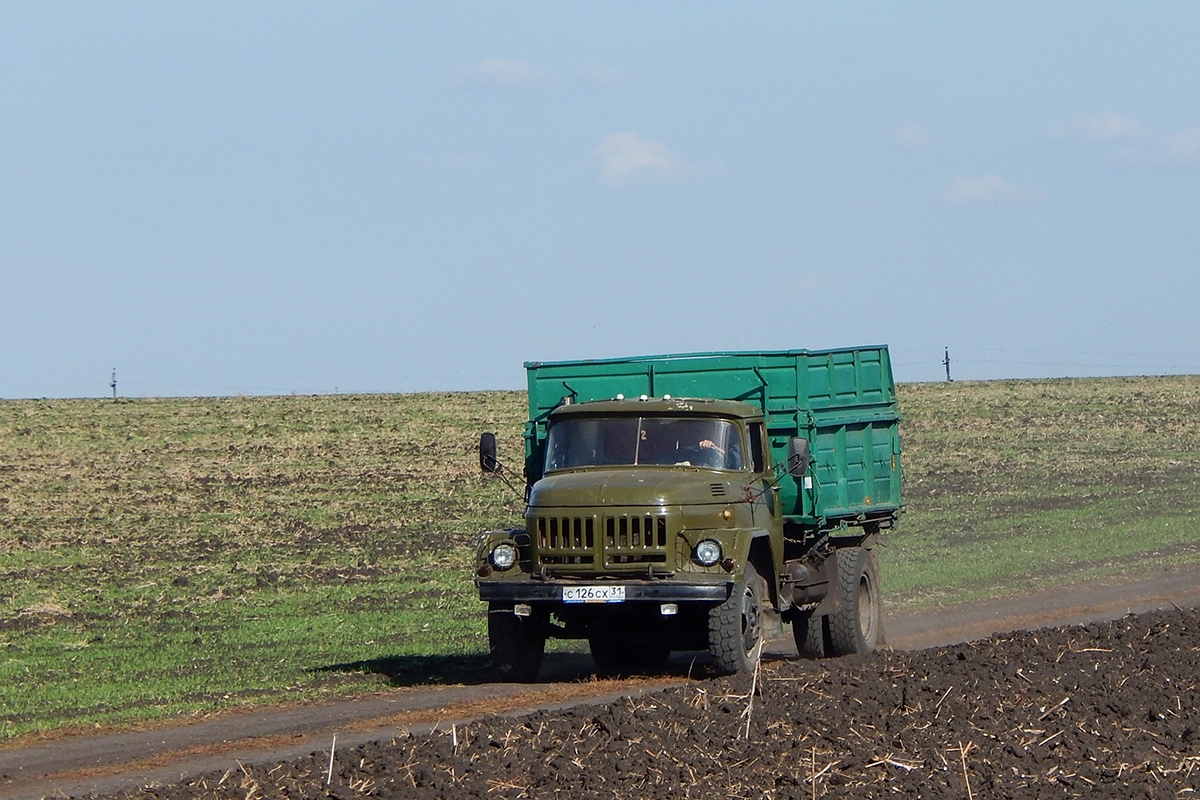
[
  {"x": 855, "y": 626},
  {"x": 517, "y": 643},
  {"x": 735, "y": 628}
]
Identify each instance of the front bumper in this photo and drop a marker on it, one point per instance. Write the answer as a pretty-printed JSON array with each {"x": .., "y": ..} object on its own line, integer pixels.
[{"x": 635, "y": 591}]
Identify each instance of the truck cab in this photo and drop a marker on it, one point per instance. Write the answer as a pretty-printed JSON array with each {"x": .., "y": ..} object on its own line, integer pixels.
[{"x": 649, "y": 514}]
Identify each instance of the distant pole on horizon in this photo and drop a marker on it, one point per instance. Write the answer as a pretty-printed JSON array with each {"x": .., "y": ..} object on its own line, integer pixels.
[
  {"x": 114, "y": 383},
  {"x": 946, "y": 364}
]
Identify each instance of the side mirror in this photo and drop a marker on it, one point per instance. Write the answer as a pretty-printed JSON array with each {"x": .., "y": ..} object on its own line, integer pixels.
[
  {"x": 487, "y": 453},
  {"x": 798, "y": 456}
]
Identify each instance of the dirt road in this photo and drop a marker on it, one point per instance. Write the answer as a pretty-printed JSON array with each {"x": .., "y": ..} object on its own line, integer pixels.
[{"x": 110, "y": 762}]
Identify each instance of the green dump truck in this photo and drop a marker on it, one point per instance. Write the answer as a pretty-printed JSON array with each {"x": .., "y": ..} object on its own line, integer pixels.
[{"x": 696, "y": 502}]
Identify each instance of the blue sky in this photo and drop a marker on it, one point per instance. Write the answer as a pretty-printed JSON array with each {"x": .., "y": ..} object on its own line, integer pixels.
[{"x": 266, "y": 198}]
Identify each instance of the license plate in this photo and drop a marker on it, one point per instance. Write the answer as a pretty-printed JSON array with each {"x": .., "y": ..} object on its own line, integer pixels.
[{"x": 593, "y": 594}]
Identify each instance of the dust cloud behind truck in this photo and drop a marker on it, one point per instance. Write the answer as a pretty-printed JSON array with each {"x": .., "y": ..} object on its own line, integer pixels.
[{"x": 696, "y": 502}]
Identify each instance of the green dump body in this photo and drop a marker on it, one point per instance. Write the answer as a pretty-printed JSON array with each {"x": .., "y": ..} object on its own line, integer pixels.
[{"x": 842, "y": 401}]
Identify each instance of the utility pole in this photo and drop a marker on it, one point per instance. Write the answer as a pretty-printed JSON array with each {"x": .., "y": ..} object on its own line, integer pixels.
[
  {"x": 114, "y": 383},
  {"x": 946, "y": 364}
]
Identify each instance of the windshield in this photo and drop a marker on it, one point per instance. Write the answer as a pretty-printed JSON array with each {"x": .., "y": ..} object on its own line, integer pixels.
[{"x": 678, "y": 441}]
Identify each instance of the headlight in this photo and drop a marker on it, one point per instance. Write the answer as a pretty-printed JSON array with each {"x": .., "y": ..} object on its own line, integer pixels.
[
  {"x": 708, "y": 553},
  {"x": 504, "y": 555}
]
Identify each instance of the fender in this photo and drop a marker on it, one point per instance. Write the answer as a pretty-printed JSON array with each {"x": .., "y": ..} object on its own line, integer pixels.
[{"x": 758, "y": 545}]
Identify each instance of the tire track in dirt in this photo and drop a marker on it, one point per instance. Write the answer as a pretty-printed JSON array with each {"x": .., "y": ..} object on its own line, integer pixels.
[{"x": 79, "y": 764}]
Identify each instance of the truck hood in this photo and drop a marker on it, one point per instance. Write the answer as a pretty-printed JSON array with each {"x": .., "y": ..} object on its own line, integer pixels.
[{"x": 644, "y": 486}]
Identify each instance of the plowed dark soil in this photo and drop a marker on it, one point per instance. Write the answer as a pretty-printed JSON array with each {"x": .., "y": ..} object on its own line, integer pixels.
[{"x": 1104, "y": 709}]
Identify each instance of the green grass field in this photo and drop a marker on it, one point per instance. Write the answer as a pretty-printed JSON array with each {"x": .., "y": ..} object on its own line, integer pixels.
[{"x": 170, "y": 557}]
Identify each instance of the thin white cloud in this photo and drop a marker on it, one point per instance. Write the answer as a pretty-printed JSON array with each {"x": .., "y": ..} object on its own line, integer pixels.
[
  {"x": 465, "y": 159},
  {"x": 600, "y": 75},
  {"x": 913, "y": 137},
  {"x": 1183, "y": 147},
  {"x": 816, "y": 281},
  {"x": 966, "y": 190},
  {"x": 1103, "y": 128},
  {"x": 502, "y": 73},
  {"x": 626, "y": 158},
  {"x": 1129, "y": 141}
]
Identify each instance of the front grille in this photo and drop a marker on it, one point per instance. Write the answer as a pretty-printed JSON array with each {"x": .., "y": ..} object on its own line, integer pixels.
[
  {"x": 566, "y": 540},
  {"x": 568, "y": 533},
  {"x": 641, "y": 531},
  {"x": 638, "y": 539},
  {"x": 608, "y": 539}
]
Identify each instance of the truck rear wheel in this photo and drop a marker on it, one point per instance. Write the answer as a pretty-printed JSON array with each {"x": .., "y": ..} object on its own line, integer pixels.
[
  {"x": 735, "y": 628},
  {"x": 808, "y": 630},
  {"x": 856, "y": 625},
  {"x": 518, "y": 644}
]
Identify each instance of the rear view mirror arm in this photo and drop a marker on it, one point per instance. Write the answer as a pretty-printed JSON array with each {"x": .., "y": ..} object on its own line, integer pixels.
[{"x": 490, "y": 464}]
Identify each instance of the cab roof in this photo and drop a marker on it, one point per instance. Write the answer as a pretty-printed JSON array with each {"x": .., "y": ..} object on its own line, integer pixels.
[{"x": 660, "y": 405}]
